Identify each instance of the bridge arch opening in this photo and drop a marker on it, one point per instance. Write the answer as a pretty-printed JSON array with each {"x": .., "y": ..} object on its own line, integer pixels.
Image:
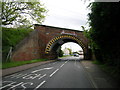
[
  {"x": 54, "y": 45},
  {"x": 72, "y": 49}
]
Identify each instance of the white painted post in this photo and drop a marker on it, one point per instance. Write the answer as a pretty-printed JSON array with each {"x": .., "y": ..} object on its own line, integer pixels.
[{"x": 9, "y": 54}]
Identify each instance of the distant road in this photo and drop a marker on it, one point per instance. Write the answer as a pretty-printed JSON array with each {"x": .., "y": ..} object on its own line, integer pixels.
[{"x": 66, "y": 73}]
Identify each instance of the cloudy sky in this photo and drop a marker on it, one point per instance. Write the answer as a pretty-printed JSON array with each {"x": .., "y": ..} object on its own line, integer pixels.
[
  {"x": 70, "y": 14},
  {"x": 73, "y": 46}
]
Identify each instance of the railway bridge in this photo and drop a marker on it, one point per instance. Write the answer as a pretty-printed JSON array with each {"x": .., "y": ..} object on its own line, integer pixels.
[{"x": 45, "y": 42}]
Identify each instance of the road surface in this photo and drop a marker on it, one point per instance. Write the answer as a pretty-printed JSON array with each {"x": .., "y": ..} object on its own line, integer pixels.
[{"x": 65, "y": 73}]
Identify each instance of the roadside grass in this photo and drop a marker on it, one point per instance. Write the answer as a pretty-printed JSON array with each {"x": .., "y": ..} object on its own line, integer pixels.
[
  {"x": 19, "y": 63},
  {"x": 111, "y": 70}
]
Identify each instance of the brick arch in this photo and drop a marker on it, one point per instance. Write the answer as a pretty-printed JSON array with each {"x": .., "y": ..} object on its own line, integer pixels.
[
  {"x": 51, "y": 42},
  {"x": 38, "y": 44}
]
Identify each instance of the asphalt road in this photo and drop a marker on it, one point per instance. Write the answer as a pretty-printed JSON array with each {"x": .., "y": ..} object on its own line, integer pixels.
[{"x": 65, "y": 73}]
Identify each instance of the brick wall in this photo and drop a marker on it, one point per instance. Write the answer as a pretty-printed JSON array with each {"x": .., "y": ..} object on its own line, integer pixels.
[{"x": 34, "y": 45}]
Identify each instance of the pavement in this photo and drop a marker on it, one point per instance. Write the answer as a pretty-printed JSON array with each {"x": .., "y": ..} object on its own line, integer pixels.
[{"x": 98, "y": 78}]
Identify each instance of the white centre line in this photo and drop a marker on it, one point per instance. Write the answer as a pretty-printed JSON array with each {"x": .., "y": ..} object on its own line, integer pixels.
[
  {"x": 40, "y": 85},
  {"x": 75, "y": 63},
  {"x": 66, "y": 61},
  {"x": 62, "y": 65},
  {"x": 54, "y": 72}
]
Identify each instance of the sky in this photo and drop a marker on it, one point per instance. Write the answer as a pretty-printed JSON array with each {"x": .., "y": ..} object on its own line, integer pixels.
[
  {"x": 73, "y": 46},
  {"x": 70, "y": 14}
]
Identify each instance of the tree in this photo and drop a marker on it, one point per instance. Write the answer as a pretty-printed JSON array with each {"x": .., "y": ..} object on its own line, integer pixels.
[
  {"x": 22, "y": 13},
  {"x": 70, "y": 51},
  {"x": 104, "y": 32},
  {"x": 60, "y": 52}
]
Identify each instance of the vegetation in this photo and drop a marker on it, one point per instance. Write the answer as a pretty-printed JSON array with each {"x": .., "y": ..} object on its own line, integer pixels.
[
  {"x": 11, "y": 37},
  {"x": 21, "y": 16},
  {"x": 70, "y": 51},
  {"x": 19, "y": 63},
  {"x": 22, "y": 13},
  {"x": 64, "y": 56},
  {"x": 104, "y": 33},
  {"x": 60, "y": 53}
]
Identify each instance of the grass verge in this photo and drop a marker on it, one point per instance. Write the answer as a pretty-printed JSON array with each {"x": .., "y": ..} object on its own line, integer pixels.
[{"x": 19, "y": 63}]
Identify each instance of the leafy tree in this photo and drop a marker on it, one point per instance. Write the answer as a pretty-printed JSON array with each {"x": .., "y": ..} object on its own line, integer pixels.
[
  {"x": 60, "y": 53},
  {"x": 22, "y": 13},
  {"x": 70, "y": 51},
  {"x": 104, "y": 33}
]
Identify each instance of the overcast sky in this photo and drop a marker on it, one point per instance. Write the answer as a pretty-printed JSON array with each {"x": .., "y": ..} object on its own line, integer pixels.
[
  {"x": 73, "y": 46},
  {"x": 70, "y": 14}
]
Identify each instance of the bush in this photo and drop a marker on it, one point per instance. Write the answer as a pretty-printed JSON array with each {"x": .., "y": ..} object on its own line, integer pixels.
[
  {"x": 11, "y": 37},
  {"x": 60, "y": 53}
]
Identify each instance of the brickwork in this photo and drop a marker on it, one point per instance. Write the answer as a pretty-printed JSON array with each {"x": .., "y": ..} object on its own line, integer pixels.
[
  {"x": 27, "y": 49},
  {"x": 45, "y": 40}
]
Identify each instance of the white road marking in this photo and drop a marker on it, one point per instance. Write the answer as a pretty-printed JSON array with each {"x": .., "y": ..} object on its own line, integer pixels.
[
  {"x": 9, "y": 75},
  {"x": 41, "y": 69},
  {"x": 66, "y": 61},
  {"x": 42, "y": 76},
  {"x": 6, "y": 81},
  {"x": 18, "y": 75},
  {"x": 40, "y": 85},
  {"x": 12, "y": 85},
  {"x": 62, "y": 65},
  {"x": 31, "y": 76},
  {"x": 54, "y": 72},
  {"x": 8, "y": 85},
  {"x": 23, "y": 85},
  {"x": 27, "y": 76},
  {"x": 36, "y": 76},
  {"x": 15, "y": 85},
  {"x": 75, "y": 63},
  {"x": 15, "y": 75},
  {"x": 55, "y": 63}
]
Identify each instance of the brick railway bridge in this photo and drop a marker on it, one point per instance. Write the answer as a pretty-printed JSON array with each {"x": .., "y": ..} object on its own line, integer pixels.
[{"x": 45, "y": 41}]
